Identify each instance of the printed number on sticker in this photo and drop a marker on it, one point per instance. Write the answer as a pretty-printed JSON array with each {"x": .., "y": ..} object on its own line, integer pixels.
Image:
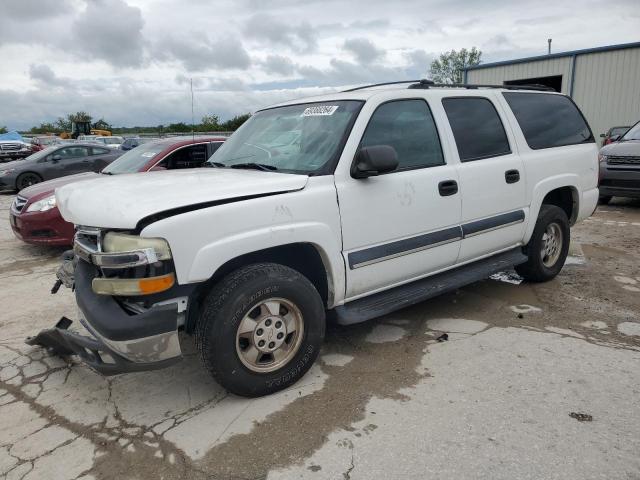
[{"x": 319, "y": 110}]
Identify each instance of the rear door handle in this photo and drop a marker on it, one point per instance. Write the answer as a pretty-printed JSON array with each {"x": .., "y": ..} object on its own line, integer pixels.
[
  {"x": 447, "y": 188},
  {"x": 512, "y": 176}
]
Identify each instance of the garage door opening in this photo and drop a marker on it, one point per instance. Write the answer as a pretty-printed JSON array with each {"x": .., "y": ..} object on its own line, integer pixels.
[{"x": 554, "y": 82}]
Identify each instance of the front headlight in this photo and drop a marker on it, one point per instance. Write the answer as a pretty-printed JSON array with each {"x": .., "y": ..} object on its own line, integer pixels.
[
  {"x": 43, "y": 205},
  {"x": 114, "y": 242},
  {"x": 7, "y": 171}
]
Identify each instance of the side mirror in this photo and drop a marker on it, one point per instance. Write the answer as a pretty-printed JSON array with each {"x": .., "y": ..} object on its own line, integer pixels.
[
  {"x": 602, "y": 135},
  {"x": 372, "y": 161},
  {"x": 56, "y": 158}
]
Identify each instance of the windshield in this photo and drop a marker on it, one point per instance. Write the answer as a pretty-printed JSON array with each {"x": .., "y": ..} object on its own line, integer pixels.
[
  {"x": 42, "y": 153},
  {"x": 633, "y": 133},
  {"x": 297, "y": 138},
  {"x": 135, "y": 159}
]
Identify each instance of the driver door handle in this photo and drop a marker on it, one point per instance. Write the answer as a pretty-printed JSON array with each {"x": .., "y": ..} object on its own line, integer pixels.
[{"x": 447, "y": 188}]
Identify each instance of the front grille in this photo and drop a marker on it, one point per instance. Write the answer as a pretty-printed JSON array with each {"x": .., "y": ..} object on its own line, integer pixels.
[
  {"x": 10, "y": 147},
  {"x": 19, "y": 203},
  {"x": 87, "y": 241},
  {"x": 621, "y": 183},
  {"x": 623, "y": 160}
]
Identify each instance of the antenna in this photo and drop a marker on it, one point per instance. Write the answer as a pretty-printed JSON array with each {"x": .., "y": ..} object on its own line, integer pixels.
[{"x": 193, "y": 133}]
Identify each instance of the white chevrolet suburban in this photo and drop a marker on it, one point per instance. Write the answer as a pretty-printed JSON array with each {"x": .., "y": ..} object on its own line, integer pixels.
[{"x": 360, "y": 203}]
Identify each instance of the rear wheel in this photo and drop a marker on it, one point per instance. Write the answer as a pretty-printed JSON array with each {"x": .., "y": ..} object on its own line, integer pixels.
[
  {"x": 548, "y": 247},
  {"x": 261, "y": 329},
  {"x": 27, "y": 179}
]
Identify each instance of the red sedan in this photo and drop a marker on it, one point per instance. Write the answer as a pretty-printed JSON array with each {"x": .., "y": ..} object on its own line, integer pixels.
[{"x": 35, "y": 218}]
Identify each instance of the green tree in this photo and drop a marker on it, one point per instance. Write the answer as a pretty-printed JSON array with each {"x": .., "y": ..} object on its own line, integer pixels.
[
  {"x": 101, "y": 124},
  {"x": 46, "y": 127},
  {"x": 3, "y": 129},
  {"x": 234, "y": 123},
  {"x": 179, "y": 127},
  {"x": 449, "y": 67},
  {"x": 79, "y": 117},
  {"x": 210, "y": 123},
  {"x": 63, "y": 124}
]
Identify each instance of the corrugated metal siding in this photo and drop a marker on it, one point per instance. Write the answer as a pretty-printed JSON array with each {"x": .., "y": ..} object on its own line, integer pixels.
[
  {"x": 606, "y": 84},
  {"x": 607, "y": 88},
  {"x": 518, "y": 71}
]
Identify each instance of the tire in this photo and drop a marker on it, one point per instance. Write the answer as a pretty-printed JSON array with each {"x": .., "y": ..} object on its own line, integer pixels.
[
  {"x": 27, "y": 179},
  {"x": 552, "y": 224},
  {"x": 604, "y": 199},
  {"x": 255, "y": 298}
]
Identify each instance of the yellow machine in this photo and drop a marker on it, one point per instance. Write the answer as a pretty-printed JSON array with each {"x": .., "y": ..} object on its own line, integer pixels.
[{"x": 83, "y": 128}]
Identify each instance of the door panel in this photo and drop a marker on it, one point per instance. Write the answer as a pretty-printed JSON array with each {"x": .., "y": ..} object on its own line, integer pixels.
[
  {"x": 492, "y": 183},
  {"x": 399, "y": 226}
]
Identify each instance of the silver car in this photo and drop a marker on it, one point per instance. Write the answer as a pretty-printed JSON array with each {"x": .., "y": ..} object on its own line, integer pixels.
[{"x": 620, "y": 167}]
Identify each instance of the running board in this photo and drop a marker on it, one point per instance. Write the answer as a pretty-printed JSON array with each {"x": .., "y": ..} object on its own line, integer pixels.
[{"x": 415, "y": 292}]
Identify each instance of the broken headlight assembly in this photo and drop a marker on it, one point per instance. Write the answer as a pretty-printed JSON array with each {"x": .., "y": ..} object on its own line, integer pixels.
[{"x": 132, "y": 265}]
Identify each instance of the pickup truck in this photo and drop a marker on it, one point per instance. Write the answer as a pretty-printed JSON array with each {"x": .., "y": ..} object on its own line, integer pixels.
[{"x": 378, "y": 198}]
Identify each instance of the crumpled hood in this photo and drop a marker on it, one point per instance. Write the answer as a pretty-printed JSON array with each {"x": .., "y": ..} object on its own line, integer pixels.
[
  {"x": 121, "y": 201},
  {"x": 627, "y": 148}
]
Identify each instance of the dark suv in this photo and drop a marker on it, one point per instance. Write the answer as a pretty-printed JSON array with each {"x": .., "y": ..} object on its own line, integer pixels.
[{"x": 620, "y": 167}]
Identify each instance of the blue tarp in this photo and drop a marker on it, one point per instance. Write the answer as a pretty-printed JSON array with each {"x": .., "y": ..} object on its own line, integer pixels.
[{"x": 11, "y": 136}]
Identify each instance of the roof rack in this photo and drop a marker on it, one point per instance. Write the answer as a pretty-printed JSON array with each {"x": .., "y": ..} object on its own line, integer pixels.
[{"x": 428, "y": 84}]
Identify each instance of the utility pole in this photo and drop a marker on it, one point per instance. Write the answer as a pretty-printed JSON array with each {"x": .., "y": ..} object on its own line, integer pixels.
[
  {"x": 549, "y": 47},
  {"x": 193, "y": 133}
]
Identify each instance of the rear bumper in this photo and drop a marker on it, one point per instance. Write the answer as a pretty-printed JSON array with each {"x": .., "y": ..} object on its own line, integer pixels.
[{"x": 41, "y": 228}]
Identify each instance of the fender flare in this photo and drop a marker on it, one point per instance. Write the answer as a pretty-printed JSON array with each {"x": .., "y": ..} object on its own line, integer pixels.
[{"x": 542, "y": 189}]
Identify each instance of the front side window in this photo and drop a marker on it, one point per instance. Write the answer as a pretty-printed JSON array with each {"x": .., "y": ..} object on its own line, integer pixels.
[
  {"x": 477, "y": 128},
  {"x": 305, "y": 138},
  {"x": 548, "y": 120},
  {"x": 72, "y": 152},
  {"x": 408, "y": 127}
]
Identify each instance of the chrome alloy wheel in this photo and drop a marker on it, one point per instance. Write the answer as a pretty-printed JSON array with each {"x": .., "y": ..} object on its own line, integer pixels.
[
  {"x": 269, "y": 335},
  {"x": 552, "y": 240}
]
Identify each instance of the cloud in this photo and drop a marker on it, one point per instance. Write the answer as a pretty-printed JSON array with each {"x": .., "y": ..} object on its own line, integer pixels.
[
  {"x": 30, "y": 10},
  {"x": 110, "y": 30},
  {"x": 44, "y": 76},
  {"x": 198, "y": 53},
  {"x": 268, "y": 28},
  {"x": 278, "y": 64},
  {"x": 363, "y": 49}
]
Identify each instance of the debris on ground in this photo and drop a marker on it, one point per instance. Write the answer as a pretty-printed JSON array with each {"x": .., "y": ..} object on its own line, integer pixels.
[
  {"x": 443, "y": 338},
  {"x": 581, "y": 417}
]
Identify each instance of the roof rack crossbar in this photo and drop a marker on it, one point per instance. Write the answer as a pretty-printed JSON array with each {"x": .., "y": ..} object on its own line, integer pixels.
[{"x": 428, "y": 84}]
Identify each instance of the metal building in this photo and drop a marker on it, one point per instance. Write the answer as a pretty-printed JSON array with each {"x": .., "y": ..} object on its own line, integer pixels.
[{"x": 603, "y": 81}]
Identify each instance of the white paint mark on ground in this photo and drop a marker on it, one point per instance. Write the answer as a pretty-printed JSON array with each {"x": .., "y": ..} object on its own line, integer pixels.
[
  {"x": 631, "y": 288},
  {"x": 524, "y": 308},
  {"x": 385, "y": 333},
  {"x": 336, "y": 359},
  {"x": 456, "y": 325},
  {"x": 629, "y": 328},
  {"x": 575, "y": 260},
  {"x": 595, "y": 324},
  {"x": 564, "y": 331},
  {"x": 625, "y": 280}
]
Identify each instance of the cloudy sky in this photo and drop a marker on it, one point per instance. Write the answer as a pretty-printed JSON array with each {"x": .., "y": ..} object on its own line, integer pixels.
[{"x": 130, "y": 61}]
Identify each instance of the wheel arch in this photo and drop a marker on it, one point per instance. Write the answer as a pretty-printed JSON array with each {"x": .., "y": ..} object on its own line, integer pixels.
[
  {"x": 561, "y": 191},
  {"x": 26, "y": 172},
  {"x": 307, "y": 258}
]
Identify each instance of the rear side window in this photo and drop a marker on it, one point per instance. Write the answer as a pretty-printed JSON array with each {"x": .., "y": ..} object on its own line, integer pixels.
[
  {"x": 548, "y": 120},
  {"x": 408, "y": 127},
  {"x": 477, "y": 128},
  {"x": 99, "y": 151}
]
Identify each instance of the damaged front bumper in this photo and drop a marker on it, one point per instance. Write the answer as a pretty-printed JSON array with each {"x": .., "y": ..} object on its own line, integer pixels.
[{"x": 122, "y": 341}]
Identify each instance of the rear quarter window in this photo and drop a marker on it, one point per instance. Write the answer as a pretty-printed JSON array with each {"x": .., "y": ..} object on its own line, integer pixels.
[{"x": 548, "y": 121}]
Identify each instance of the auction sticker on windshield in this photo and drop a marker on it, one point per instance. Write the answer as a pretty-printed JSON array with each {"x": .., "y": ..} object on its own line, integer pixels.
[{"x": 319, "y": 110}]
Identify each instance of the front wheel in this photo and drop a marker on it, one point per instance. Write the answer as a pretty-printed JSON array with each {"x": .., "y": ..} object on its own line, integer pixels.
[
  {"x": 548, "y": 247},
  {"x": 261, "y": 329},
  {"x": 27, "y": 179}
]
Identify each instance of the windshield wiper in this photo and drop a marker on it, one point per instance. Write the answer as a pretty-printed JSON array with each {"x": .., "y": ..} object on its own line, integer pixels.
[
  {"x": 255, "y": 166},
  {"x": 106, "y": 173}
]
